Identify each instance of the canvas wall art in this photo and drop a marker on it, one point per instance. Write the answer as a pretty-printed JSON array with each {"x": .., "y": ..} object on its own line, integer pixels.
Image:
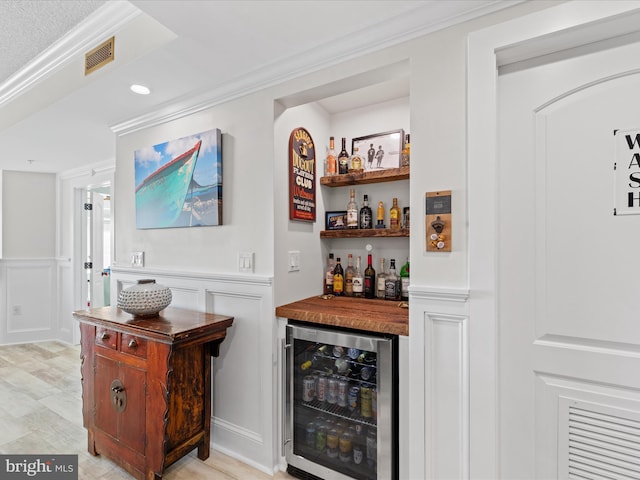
[{"x": 179, "y": 182}]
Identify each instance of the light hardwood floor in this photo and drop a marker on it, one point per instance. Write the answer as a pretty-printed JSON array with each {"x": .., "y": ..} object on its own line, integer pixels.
[{"x": 41, "y": 413}]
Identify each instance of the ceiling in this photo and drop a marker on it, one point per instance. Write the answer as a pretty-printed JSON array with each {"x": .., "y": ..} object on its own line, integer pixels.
[{"x": 53, "y": 118}]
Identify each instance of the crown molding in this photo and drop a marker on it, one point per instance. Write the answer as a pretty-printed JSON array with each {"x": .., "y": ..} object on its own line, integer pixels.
[
  {"x": 106, "y": 21},
  {"x": 429, "y": 17}
]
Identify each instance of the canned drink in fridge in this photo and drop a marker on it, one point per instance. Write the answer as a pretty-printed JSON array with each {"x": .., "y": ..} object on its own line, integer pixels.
[
  {"x": 332, "y": 390},
  {"x": 372, "y": 444},
  {"x": 365, "y": 401},
  {"x": 358, "y": 454},
  {"x": 343, "y": 387},
  {"x": 354, "y": 398},
  {"x": 308, "y": 388},
  {"x": 321, "y": 388},
  {"x": 374, "y": 402},
  {"x": 310, "y": 434},
  {"x": 333, "y": 440},
  {"x": 321, "y": 438},
  {"x": 345, "y": 445}
]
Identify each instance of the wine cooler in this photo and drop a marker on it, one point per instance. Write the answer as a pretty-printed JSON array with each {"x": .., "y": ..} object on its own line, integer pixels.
[{"x": 341, "y": 398}]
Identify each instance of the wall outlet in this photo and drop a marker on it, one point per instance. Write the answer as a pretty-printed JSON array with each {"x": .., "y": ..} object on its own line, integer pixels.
[
  {"x": 137, "y": 259},
  {"x": 245, "y": 262}
]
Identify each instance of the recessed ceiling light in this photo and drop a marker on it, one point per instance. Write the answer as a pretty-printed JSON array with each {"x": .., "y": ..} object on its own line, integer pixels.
[{"x": 140, "y": 89}]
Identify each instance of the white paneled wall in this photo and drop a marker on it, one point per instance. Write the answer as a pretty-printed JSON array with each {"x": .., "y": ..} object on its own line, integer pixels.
[
  {"x": 439, "y": 383},
  {"x": 29, "y": 291},
  {"x": 243, "y": 417}
]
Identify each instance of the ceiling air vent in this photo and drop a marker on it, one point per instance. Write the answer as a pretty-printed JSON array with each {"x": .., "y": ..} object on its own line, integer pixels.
[{"x": 99, "y": 56}]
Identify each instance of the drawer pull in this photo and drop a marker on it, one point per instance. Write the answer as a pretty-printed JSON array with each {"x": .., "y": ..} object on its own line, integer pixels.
[
  {"x": 105, "y": 336},
  {"x": 133, "y": 343}
]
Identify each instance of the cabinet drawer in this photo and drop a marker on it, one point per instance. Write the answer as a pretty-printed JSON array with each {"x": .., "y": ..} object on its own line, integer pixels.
[
  {"x": 106, "y": 338},
  {"x": 133, "y": 345}
]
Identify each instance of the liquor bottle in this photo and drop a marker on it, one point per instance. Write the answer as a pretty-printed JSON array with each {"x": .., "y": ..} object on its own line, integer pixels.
[
  {"x": 380, "y": 216},
  {"x": 404, "y": 278},
  {"x": 391, "y": 282},
  {"x": 338, "y": 279},
  {"x": 355, "y": 162},
  {"x": 352, "y": 210},
  {"x": 343, "y": 158},
  {"x": 394, "y": 215},
  {"x": 380, "y": 284},
  {"x": 328, "y": 276},
  {"x": 366, "y": 220},
  {"x": 369, "y": 279},
  {"x": 358, "y": 280},
  {"x": 348, "y": 277},
  {"x": 332, "y": 163},
  {"x": 406, "y": 152}
]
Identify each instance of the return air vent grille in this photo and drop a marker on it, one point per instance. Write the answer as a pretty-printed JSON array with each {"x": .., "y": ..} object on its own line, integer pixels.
[
  {"x": 603, "y": 445},
  {"x": 99, "y": 56}
]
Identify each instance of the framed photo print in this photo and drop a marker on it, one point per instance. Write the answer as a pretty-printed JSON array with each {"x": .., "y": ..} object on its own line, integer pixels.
[
  {"x": 336, "y": 220},
  {"x": 381, "y": 150}
]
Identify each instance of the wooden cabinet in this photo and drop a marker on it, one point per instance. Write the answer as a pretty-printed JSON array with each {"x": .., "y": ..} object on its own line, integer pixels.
[{"x": 146, "y": 385}]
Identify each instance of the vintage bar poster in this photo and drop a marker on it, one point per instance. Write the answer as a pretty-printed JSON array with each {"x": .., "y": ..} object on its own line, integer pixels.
[{"x": 302, "y": 176}]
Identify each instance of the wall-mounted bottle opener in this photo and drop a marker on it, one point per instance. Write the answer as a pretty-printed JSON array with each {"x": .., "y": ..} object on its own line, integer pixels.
[{"x": 438, "y": 221}]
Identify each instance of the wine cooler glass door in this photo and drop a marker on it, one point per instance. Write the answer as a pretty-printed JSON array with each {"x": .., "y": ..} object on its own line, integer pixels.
[{"x": 340, "y": 403}]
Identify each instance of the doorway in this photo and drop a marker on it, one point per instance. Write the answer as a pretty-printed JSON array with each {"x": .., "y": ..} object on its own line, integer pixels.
[{"x": 96, "y": 241}]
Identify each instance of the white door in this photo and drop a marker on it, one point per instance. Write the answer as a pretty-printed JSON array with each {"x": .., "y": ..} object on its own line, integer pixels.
[
  {"x": 568, "y": 284},
  {"x": 96, "y": 225}
]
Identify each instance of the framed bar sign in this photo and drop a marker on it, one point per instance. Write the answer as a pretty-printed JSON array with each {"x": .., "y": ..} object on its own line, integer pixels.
[{"x": 302, "y": 176}]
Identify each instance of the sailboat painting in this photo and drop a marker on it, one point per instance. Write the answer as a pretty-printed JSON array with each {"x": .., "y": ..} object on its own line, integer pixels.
[{"x": 179, "y": 183}]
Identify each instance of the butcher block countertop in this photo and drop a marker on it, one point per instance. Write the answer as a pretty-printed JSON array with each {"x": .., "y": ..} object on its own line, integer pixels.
[{"x": 372, "y": 315}]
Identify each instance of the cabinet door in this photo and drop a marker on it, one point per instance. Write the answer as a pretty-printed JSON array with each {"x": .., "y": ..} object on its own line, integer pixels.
[{"x": 127, "y": 426}]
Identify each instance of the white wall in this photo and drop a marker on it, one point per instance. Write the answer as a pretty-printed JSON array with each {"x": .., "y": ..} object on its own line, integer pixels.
[
  {"x": 29, "y": 215},
  {"x": 247, "y": 175},
  {"x": 27, "y": 268}
]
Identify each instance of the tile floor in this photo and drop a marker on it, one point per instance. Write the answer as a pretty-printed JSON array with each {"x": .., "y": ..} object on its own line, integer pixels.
[{"x": 41, "y": 413}]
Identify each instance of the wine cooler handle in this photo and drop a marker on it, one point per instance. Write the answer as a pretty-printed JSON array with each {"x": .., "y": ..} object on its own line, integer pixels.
[{"x": 286, "y": 401}]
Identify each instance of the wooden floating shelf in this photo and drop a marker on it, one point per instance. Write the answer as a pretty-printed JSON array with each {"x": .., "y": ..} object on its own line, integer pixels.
[
  {"x": 363, "y": 233},
  {"x": 376, "y": 176}
]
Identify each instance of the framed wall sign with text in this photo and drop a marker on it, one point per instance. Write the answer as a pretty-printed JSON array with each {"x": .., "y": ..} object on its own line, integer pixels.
[{"x": 302, "y": 176}]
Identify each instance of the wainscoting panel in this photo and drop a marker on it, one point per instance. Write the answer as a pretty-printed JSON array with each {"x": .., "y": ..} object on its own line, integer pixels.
[
  {"x": 439, "y": 383},
  {"x": 244, "y": 374},
  {"x": 29, "y": 300}
]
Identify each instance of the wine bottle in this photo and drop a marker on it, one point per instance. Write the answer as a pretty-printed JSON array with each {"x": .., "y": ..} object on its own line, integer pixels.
[
  {"x": 394, "y": 215},
  {"x": 404, "y": 278},
  {"x": 328, "y": 276},
  {"x": 391, "y": 282},
  {"x": 343, "y": 158},
  {"x": 380, "y": 284},
  {"x": 366, "y": 220},
  {"x": 369, "y": 279},
  {"x": 348, "y": 277},
  {"x": 338, "y": 279},
  {"x": 332, "y": 163},
  {"x": 352, "y": 211},
  {"x": 358, "y": 281}
]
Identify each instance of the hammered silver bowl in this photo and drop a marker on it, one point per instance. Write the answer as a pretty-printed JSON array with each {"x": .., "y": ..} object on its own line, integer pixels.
[{"x": 144, "y": 299}]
